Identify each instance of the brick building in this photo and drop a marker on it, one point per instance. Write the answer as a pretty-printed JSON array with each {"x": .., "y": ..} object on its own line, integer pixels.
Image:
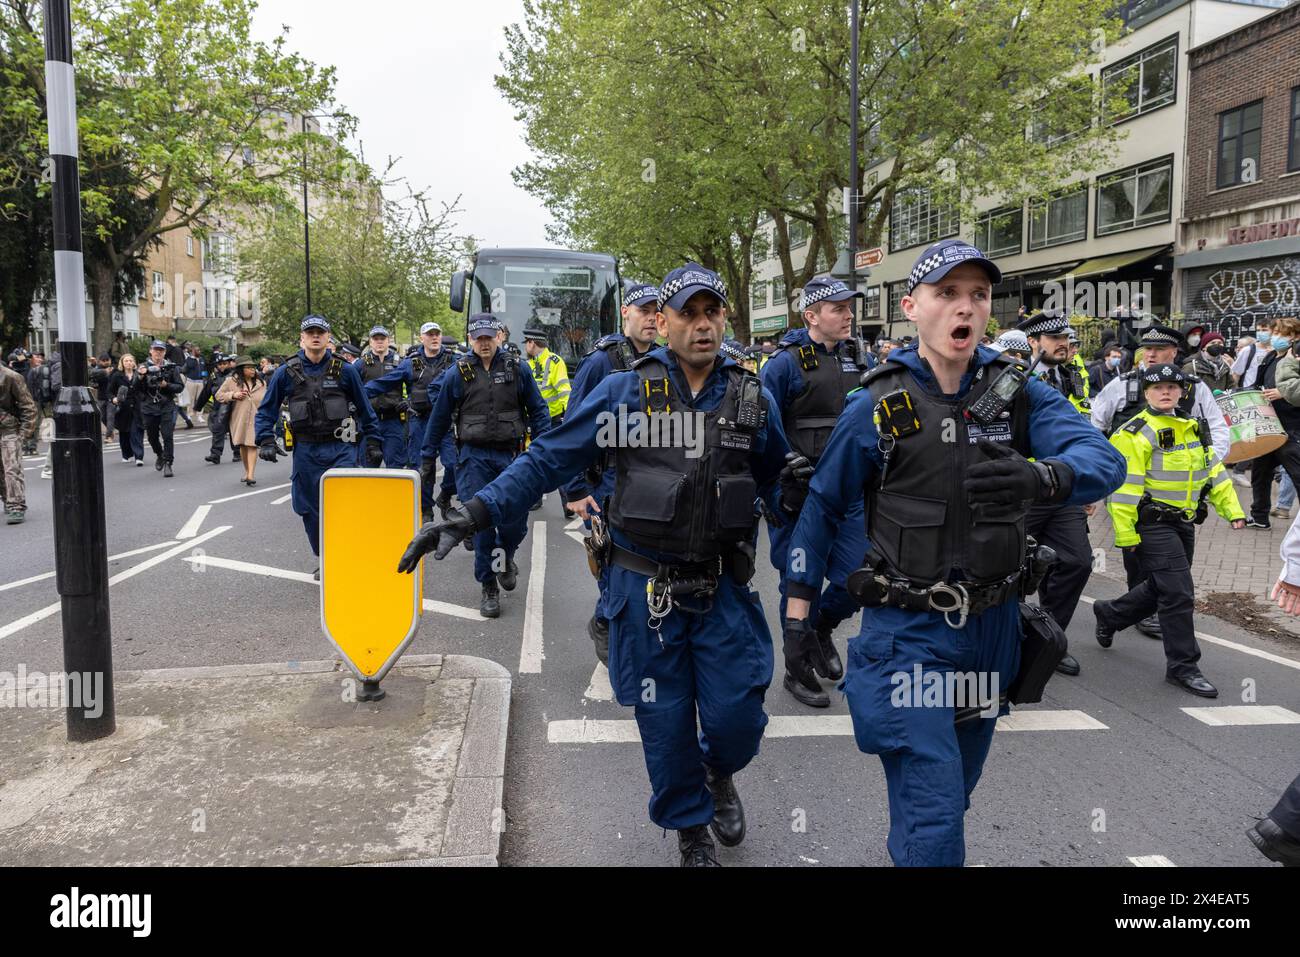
[{"x": 1238, "y": 248}]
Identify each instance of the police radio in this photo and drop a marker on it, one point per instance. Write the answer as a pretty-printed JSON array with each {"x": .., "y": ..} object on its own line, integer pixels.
[
  {"x": 749, "y": 409},
  {"x": 998, "y": 396}
]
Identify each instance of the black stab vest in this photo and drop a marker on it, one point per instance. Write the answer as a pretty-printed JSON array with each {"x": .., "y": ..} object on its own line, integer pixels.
[
  {"x": 317, "y": 405},
  {"x": 490, "y": 413},
  {"x": 827, "y": 381}
]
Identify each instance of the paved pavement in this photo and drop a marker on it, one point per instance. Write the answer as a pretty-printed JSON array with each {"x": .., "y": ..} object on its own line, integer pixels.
[{"x": 1113, "y": 767}]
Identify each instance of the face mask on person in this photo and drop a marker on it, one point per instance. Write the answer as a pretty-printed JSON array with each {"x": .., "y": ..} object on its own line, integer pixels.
[
  {"x": 1281, "y": 343},
  {"x": 1215, "y": 348},
  {"x": 1113, "y": 362},
  {"x": 1193, "y": 341}
]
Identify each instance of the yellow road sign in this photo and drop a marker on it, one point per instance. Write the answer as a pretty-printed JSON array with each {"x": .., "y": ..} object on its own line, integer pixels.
[{"x": 368, "y": 611}]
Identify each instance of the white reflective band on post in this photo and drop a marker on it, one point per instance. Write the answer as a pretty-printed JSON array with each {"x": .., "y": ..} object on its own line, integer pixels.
[
  {"x": 61, "y": 95},
  {"x": 70, "y": 293}
]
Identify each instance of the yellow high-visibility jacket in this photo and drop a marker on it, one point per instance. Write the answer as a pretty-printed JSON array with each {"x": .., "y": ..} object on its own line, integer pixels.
[
  {"x": 1082, "y": 404},
  {"x": 1173, "y": 474},
  {"x": 552, "y": 377}
]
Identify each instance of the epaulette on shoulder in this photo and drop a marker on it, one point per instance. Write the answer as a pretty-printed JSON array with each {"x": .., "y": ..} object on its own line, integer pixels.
[{"x": 1133, "y": 425}]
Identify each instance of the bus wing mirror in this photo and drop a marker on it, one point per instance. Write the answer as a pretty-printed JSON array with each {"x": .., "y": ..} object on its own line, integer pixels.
[{"x": 458, "y": 291}]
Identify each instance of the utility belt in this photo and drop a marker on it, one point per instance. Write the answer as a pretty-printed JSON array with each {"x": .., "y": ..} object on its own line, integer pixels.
[
  {"x": 346, "y": 432},
  {"x": 1151, "y": 512},
  {"x": 388, "y": 416},
  {"x": 686, "y": 586},
  {"x": 873, "y": 586}
]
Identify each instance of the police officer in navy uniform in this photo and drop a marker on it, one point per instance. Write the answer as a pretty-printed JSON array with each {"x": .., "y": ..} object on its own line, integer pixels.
[
  {"x": 809, "y": 376},
  {"x": 419, "y": 371},
  {"x": 588, "y": 492},
  {"x": 943, "y": 457},
  {"x": 318, "y": 385},
  {"x": 492, "y": 401},
  {"x": 390, "y": 407},
  {"x": 1063, "y": 528},
  {"x": 688, "y": 639},
  {"x": 156, "y": 389}
]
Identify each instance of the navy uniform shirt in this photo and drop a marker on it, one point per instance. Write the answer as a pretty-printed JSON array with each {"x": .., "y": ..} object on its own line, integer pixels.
[
  {"x": 595, "y": 367},
  {"x": 402, "y": 374},
  {"x": 852, "y": 460},
  {"x": 280, "y": 387},
  {"x": 572, "y": 445},
  {"x": 448, "y": 390}
]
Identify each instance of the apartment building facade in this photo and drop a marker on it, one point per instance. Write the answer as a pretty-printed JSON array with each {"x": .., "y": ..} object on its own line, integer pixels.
[
  {"x": 1238, "y": 249},
  {"x": 1115, "y": 230}
]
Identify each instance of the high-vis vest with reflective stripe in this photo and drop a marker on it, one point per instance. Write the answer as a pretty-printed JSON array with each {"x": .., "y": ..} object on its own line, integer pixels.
[
  {"x": 552, "y": 378},
  {"x": 1081, "y": 382},
  {"x": 1173, "y": 475}
]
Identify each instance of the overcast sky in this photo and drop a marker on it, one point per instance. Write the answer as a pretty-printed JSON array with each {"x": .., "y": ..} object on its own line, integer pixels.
[{"x": 418, "y": 75}]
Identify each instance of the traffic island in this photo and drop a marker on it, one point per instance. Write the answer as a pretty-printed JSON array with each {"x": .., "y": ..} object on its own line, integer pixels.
[{"x": 276, "y": 764}]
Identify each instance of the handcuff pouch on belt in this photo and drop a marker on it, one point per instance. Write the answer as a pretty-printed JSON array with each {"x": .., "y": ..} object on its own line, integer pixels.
[
  {"x": 1151, "y": 512},
  {"x": 597, "y": 546}
]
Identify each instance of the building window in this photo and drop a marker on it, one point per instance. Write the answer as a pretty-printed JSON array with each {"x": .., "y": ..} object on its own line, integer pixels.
[
  {"x": 916, "y": 219},
  {"x": 758, "y": 295},
  {"x": 1058, "y": 219},
  {"x": 159, "y": 290},
  {"x": 1044, "y": 132},
  {"x": 871, "y": 304},
  {"x": 998, "y": 232},
  {"x": 1132, "y": 11},
  {"x": 897, "y": 290},
  {"x": 189, "y": 245},
  {"x": 207, "y": 301},
  {"x": 1135, "y": 197},
  {"x": 1239, "y": 145},
  {"x": 1293, "y": 152},
  {"x": 799, "y": 233},
  {"x": 1148, "y": 78},
  {"x": 192, "y": 303},
  {"x": 230, "y": 304},
  {"x": 762, "y": 247},
  {"x": 778, "y": 291}
]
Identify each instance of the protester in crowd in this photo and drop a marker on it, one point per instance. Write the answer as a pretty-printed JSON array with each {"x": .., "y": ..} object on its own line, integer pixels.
[
  {"x": 244, "y": 390},
  {"x": 1209, "y": 364},
  {"x": 1105, "y": 368},
  {"x": 126, "y": 414}
]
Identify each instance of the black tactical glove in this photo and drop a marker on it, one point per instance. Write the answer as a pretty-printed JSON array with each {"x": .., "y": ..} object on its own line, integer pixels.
[
  {"x": 441, "y": 537},
  {"x": 1008, "y": 478},
  {"x": 774, "y": 517},
  {"x": 428, "y": 469},
  {"x": 374, "y": 454},
  {"x": 798, "y": 643},
  {"x": 794, "y": 481},
  {"x": 266, "y": 450},
  {"x": 403, "y": 407}
]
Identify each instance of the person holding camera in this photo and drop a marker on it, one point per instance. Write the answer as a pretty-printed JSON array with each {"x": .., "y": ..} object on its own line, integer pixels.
[
  {"x": 126, "y": 412},
  {"x": 156, "y": 392}
]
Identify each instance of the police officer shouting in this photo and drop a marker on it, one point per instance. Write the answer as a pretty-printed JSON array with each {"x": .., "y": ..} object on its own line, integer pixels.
[
  {"x": 318, "y": 385},
  {"x": 809, "y": 375},
  {"x": 688, "y": 640},
  {"x": 390, "y": 407},
  {"x": 418, "y": 373},
  {"x": 487, "y": 396},
  {"x": 156, "y": 390},
  {"x": 1172, "y": 472},
  {"x": 940, "y": 440},
  {"x": 590, "y": 489},
  {"x": 1122, "y": 398},
  {"x": 1063, "y": 528}
]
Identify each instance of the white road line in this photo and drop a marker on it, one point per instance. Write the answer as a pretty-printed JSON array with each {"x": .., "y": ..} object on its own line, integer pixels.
[
  {"x": 574, "y": 525},
  {"x": 122, "y": 576},
  {"x": 585, "y": 731},
  {"x": 1152, "y": 860},
  {"x": 191, "y": 528},
  {"x": 260, "y": 491},
  {"x": 111, "y": 558},
  {"x": 1236, "y": 646},
  {"x": 1243, "y": 714},
  {"x": 598, "y": 689},
  {"x": 580, "y": 539},
  {"x": 531, "y": 652},
  {"x": 204, "y": 561},
  {"x": 269, "y": 571},
  {"x": 282, "y": 499}
]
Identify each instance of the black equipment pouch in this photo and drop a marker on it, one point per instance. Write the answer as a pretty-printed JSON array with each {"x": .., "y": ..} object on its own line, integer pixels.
[
  {"x": 597, "y": 545},
  {"x": 1038, "y": 560},
  {"x": 864, "y": 584},
  {"x": 1041, "y": 650},
  {"x": 1202, "y": 506},
  {"x": 626, "y": 353},
  {"x": 741, "y": 563},
  {"x": 897, "y": 415},
  {"x": 750, "y": 414}
]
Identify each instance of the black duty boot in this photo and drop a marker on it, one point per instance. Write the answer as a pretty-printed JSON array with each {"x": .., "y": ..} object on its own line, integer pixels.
[
  {"x": 158, "y": 464},
  {"x": 167, "y": 470},
  {"x": 1196, "y": 684},
  {"x": 510, "y": 577},
  {"x": 728, "y": 824},
  {"x": 1275, "y": 843},
  {"x": 1150, "y": 626},
  {"x": 490, "y": 605},
  {"x": 1068, "y": 666},
  {"x": 1105, "y": 633},
  {"x": 697, "y": 847},
  {"x": 214, "y": 459},
  {"x": 806, "y": 688},
  {"x": 827, "y": 663},
  {"x": 598, "y": 628}
]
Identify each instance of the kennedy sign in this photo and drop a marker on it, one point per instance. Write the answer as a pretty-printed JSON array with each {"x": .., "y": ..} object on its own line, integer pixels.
[{"x": 1254, "y": 234}]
